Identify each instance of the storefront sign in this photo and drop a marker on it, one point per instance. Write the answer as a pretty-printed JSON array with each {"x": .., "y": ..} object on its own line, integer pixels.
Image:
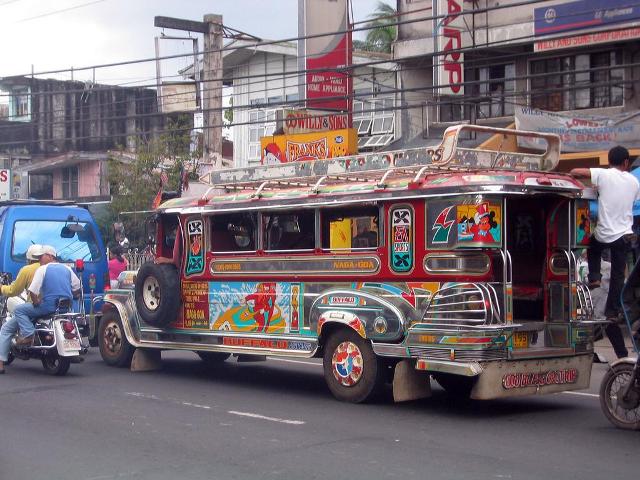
[
  {"x": 450, "y": 64},
  {"x": 326, "y": 86},
  {"x": 579, "y": 133},
  {"x": 5, "y": 184},
  {"x": 308, "y": 146},
  {"x": 587, "y": 39},
  {"x": 305, "y": 121},
  {"x": 583, "y": 14}
]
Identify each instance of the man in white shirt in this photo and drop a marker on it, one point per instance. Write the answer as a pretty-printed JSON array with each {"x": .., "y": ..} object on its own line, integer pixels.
[{"x": 617, "y": 190}]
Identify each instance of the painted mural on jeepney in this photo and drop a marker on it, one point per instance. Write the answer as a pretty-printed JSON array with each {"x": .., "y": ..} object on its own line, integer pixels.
[
  {"x": 402, "y": 241},
  {"x": 195, "y": 249},
  {"x": 284, "y": 307},
  {"x": 259, "y": 307},
  {"x": 464, "y": 222},
  {"x": 583, "y": 223}
]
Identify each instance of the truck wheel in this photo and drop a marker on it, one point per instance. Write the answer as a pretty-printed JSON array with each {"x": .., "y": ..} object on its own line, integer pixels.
[
  {"x": 115, "y": 349},
  {"x": 455, "y": 385},
  {"x": 352, "y": 371},
  {"x": 55, "y": 365},
  {"x": 213, "y": 358},
  {"x": 157, "y": 293}
]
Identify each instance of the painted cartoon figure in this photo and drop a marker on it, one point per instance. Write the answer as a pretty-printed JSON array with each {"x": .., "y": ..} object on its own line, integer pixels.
[
  {"x": 584, "y": 230},
  {"x": 483, "y": 223},
  {"x": 264, "y": 303},
  {"x": 272, "y": 155}
]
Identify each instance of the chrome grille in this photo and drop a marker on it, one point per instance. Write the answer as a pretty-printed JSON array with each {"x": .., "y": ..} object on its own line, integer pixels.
[
  {"x": 464, "y": 304},
  {"x": 469, "y": 355},
  {"x": 585, "y": 302}
]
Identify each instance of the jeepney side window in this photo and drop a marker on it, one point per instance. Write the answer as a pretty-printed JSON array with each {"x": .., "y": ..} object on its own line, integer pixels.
[
  {"x": 350, "y": 229},
  {"x": 234, "y": 232},
  {"x": 168, "y": 230},
  {"x": 288, "y": 231}
]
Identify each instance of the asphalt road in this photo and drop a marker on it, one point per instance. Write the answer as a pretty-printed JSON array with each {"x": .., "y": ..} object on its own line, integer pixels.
[{"x": 277, "y": 420}]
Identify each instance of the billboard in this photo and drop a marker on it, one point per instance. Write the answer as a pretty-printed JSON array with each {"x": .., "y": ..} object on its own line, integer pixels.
[
  {"x": 328, "y": 89},
  {"x": 566, "y": 17},
  {"x": 580, "y": 133},
  {"x": 178, "y": 97},
  {"x": 306, "y": 121},
  {"x": 308, "y": 146},
  {"x": 592, "y": 38},
  {"x": 449, "y": 65}
]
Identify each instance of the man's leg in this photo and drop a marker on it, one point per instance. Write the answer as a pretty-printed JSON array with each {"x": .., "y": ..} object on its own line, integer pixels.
[
  {"x": 594, "y": 257},
  {"x": 7, "y": 331},
  {"x": 619, "y": 250},
  {"x": 23, "y": 314}
]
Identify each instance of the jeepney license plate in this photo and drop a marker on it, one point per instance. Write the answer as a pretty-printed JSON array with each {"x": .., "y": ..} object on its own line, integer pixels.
[
  {"x": 73, "y": 344},
  {"x": 520, "y": 340}
]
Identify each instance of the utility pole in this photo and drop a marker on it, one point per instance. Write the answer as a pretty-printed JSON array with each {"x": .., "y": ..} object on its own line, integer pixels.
[{"x": 212, "y": 94}]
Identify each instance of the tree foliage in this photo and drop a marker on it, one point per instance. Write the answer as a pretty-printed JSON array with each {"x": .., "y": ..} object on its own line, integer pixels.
[
  {"x": 135, "y": 181},
  {"x": 383, "y": 30}
]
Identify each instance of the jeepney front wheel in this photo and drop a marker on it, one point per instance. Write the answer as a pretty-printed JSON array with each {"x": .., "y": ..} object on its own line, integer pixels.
[
  {"x": 115, "y": 349},
  {"x": 352, "y": 370}
]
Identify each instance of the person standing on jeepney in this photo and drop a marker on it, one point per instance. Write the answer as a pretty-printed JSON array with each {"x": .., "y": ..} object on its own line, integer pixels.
[
  {"x": 52, "y": 282},
  {"x": 617, "y": 190},
  {"x": 15, "y": 289}
]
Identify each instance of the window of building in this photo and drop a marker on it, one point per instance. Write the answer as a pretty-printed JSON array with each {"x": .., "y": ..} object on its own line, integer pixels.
[
  {"x": 350, "y": 229},
  {"x": 21, "y": 103},
  {"x": 450, "y": 110},
  {"x": 289, "y": 231},
  {"x": 234, "y": 232},
  {"x": 496, "y": 89},
  {"x": 374, "y": 121},
  {"x": 577, "y": 81},
  {"x": 70, "y": 182},
  {"x": 261, "y": 123}
]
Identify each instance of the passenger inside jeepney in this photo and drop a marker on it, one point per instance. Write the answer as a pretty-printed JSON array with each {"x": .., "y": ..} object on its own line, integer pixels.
[
  {"x": 170, "y": 237},
  {"x": 290, "y": 232}
]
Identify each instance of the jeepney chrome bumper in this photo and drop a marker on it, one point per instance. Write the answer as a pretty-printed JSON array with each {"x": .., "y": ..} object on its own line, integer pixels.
[{"x": 515, "y": 378}]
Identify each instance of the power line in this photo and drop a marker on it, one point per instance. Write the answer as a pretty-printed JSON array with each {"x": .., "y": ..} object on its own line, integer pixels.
[{"x": 55, "y": 12}]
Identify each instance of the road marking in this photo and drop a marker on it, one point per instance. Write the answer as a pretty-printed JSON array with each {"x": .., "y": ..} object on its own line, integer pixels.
[
  {"x": 171, "y": 400},
  {"x": 582, "y": 394},
  {"x": 262, "y": 417}
]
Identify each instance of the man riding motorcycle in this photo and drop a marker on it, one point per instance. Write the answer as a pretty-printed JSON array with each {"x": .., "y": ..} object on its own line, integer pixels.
[
  {"x": 19, "y": 285},
  {"x": 52, "y": 282}
]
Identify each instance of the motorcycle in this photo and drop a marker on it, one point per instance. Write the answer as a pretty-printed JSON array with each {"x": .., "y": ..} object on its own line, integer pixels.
[
  {"x": 57, "y": 339},
  {"x": 620, "y": 387}
]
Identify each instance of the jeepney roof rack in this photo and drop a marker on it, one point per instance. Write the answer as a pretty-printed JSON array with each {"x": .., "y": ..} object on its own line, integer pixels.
[{"x": 381, "y": 166}]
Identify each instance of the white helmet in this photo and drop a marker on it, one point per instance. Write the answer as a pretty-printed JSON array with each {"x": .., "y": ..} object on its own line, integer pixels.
[{"x": 34, "y": 252}]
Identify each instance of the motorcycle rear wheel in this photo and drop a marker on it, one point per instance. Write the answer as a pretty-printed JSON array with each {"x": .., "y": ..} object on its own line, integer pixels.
[
  {"x": 55, "y": 365},
  {"x": 622, "y": 413}
]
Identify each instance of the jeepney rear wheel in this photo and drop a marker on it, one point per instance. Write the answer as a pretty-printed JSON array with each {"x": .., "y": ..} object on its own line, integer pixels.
[
  {"x": 352, "y": 370},
  {"x": 455, "y": 385},
  {"x": 213, "y": 358},
  {"x": 157, "y": 293},
  {"x": 115, "y": 349}
]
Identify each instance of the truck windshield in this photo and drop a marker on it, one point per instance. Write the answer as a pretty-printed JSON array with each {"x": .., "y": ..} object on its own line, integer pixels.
[{"x": 72, "y": 241}]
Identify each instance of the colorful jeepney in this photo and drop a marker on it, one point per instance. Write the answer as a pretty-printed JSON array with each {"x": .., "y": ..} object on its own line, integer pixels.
[{"x": 451, "y": 263}]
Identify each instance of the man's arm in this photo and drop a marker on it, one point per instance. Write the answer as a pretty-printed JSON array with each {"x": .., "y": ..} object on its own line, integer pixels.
[
  {"x": 581, "y": 173},
  {"x": 36, "y": 284},
  {"x": 17, "y": 287}
]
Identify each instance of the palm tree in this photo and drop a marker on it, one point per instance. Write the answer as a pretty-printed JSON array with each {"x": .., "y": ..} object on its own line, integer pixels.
[{"x": 383, "y": 29}]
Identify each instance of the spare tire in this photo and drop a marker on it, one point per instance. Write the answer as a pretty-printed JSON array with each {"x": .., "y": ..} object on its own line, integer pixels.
[{"x": 158, "y": 293}]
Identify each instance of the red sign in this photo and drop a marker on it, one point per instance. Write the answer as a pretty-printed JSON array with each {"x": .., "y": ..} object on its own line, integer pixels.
[
  {"x": 551, "y": 377},
  {"x": 450, "y": 63}
]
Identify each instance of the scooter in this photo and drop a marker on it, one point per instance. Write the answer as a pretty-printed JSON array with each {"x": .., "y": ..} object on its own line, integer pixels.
[
  {"x": 620, "y": 387},
  {"x": 57, "y": 341}
]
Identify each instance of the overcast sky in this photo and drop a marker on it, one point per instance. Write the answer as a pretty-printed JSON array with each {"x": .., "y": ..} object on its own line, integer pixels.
[{"x": 59, "y": 34}]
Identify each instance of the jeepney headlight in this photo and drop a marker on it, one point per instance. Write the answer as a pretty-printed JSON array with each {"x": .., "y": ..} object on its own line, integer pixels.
[{"x": 380, "y": 325}]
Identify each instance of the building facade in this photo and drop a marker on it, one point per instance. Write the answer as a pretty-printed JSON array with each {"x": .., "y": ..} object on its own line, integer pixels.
[
  {"x": 265, "y": 80},
  {"x": 56, "y": 136},
  {"x": 481, "y": 61}
]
